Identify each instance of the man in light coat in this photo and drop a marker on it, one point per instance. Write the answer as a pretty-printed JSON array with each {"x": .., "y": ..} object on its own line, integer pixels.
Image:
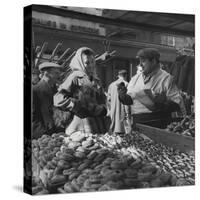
[
  {"x": 117, "y": 110},
  {"x": 152, "y": 93}
]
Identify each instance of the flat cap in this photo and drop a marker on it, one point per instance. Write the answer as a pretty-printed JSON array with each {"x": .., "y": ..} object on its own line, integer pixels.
[
  {"x": 48, "y": 65},
  {"x": 123, "y": 71},
  {"x": 148, "y": 53}
]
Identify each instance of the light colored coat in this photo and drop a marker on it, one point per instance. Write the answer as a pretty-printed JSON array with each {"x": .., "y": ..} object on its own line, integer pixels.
[{"x": 117, "y": 110}]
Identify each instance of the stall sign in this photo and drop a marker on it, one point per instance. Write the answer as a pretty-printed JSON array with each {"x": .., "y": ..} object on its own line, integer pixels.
[
  {"x": 84, "y": 29},
  {"x": 69, "y": 24}
]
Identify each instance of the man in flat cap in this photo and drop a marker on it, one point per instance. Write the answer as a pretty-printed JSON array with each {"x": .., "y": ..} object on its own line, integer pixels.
[
  {"x": 117, "y": 111},
  {"x": 43, "y": 92},
  {"x": 152, "y": 93}
]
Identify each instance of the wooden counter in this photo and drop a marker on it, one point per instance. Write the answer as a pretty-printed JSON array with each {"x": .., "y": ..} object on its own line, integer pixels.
[{"x": 183, "y": 143}]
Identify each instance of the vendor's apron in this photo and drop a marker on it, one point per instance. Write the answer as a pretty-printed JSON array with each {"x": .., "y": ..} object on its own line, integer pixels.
[{"x": 156, "y": 119}]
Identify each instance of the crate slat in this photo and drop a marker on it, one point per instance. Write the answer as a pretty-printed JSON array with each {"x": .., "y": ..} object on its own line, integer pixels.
[{"x": 176, "y": 141}]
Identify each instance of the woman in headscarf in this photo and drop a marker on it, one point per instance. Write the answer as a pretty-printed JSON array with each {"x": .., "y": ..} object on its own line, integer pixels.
[{"x": 82, "y": 95}]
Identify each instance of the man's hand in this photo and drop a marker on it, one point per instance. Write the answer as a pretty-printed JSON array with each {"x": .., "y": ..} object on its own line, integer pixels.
[
  {"x": 160, "y": 98},
  {"x": 123, "y": 97},
  {"x": 163, "y": 104},
  {"x": 121, "y": 88}
]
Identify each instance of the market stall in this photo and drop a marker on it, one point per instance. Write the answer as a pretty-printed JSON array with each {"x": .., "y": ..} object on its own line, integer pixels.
[
  {"x": 147, "y": 157},
  {"x": 143, "y": 156},
  {"x": 87, "y": 162}
]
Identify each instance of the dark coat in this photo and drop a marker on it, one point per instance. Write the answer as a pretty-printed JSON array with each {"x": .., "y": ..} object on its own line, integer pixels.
[
  {"x": 87, "y": 103},
  {"x": 42, "y": 121}
]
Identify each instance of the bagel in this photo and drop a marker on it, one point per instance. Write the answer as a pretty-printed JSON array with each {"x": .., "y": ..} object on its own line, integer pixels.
[
  {"x": 95, "y": 179},
  {"x": 108, "y": 161},
  {"x": 112, "y": 175},
  {"x": 73, "y": 145},
  {"x": 87, "y": 171},
  {"x": 66, "y": 157},
  {"x": 95, "y": 186},
  {"x": 105, "y": 171},
  {"x": 50, "y": 165},
  {"x": 93, "y": 147},
  {"x": 118, "y": 165},
  {"x": 103, "y": 151},
  {"x": 149, "y": 168},
  {"x": 105, "y": 187},
  {"x": 99, "y": 167},
  {"x": 173, "y": 180},
  {"x": 147, "y": 176},
  {"x": 67, "y": 172},
  {"x": 137, "y": 164},
  {"x": 130, "y": 182},
  {"x": 115, "y": 185},
  {"x": 83, "y": 190},
  {"x": 54, "y": 162},
  {"x": 58, "y": 171},
  {"x": 79, "y": 155},
  {"x": 81, "y": 179},
  {"x": 158, "y": 173},
  {"x": 74, "y": 164},
  {"x": 75, "y": 185},
  {"x": 87, "y": 184},
  {"x": 63, "y": 148},
  {"x": 80, "y": 149},
  {"x": 156, "y": 183},
  {"x": 62, "y": 163},
  {"x": 58, "y": 179},
  {"x": 67, "y": 140},
  {"x": 99, "y": 158},
  {"x": 92, "y": 155},
  {"x": 58, "y": 154},
  {"x": 83, "y": 166},
  {"x": 87, "y": 143},
  {"x": 182, "y": 182},
  {"x": 69, "y": 151},
  {"x": 68, "y": 188},
  {"x": 130, "y": 173},
  {"x": 143, "y": 184},
  {"x": 77, "y": 136},
  {"x": 73, "y": 175}
]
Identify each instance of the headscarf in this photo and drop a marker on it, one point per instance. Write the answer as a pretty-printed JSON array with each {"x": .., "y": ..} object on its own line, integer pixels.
[{"x": 77, "y": 63}]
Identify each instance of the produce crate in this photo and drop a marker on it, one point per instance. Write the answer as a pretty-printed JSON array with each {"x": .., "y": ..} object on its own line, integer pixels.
[
  {"x": 107, "y": 162},
  {"x": 158, "y": 123},
  {"x": 183, "y": 143}
]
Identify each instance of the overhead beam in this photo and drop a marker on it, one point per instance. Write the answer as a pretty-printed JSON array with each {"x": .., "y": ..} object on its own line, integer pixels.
[
  {"x": 108, "y": 21},
  {"x": 184, "y": 17},
  {"x": 175, "y": 24}
]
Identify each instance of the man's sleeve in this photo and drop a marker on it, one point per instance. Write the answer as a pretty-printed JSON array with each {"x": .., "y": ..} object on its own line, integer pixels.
[
  {"x": 173, "y": 94},
  {"x": 37, "y": 126},
  {"x": 109, "y": 97}
]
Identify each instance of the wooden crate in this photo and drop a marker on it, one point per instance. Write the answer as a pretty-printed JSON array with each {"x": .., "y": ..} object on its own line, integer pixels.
[{"x": 183, "y": 143}]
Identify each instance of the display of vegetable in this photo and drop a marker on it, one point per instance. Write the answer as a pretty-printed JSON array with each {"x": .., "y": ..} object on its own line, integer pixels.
[
  {"x": 87, "y": 162},
  {"x": 184, "y": 127},
  {"x": 180, "y": 164}
]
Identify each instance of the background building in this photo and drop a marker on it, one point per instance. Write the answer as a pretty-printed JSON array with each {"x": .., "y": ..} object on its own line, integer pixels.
[{"x": 102, "y": 30}]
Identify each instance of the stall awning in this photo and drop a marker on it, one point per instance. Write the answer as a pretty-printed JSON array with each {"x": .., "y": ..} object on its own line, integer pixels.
[
  {"x": 168, "y": 23},
  {"x": 176, "y": 24}
]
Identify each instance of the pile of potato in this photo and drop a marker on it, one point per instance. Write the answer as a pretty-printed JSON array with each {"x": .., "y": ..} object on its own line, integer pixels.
[
  {"x": 85, "y": 162},
  {"x": 169, "y": 160},
  {"x": 185, "y": 127}
]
